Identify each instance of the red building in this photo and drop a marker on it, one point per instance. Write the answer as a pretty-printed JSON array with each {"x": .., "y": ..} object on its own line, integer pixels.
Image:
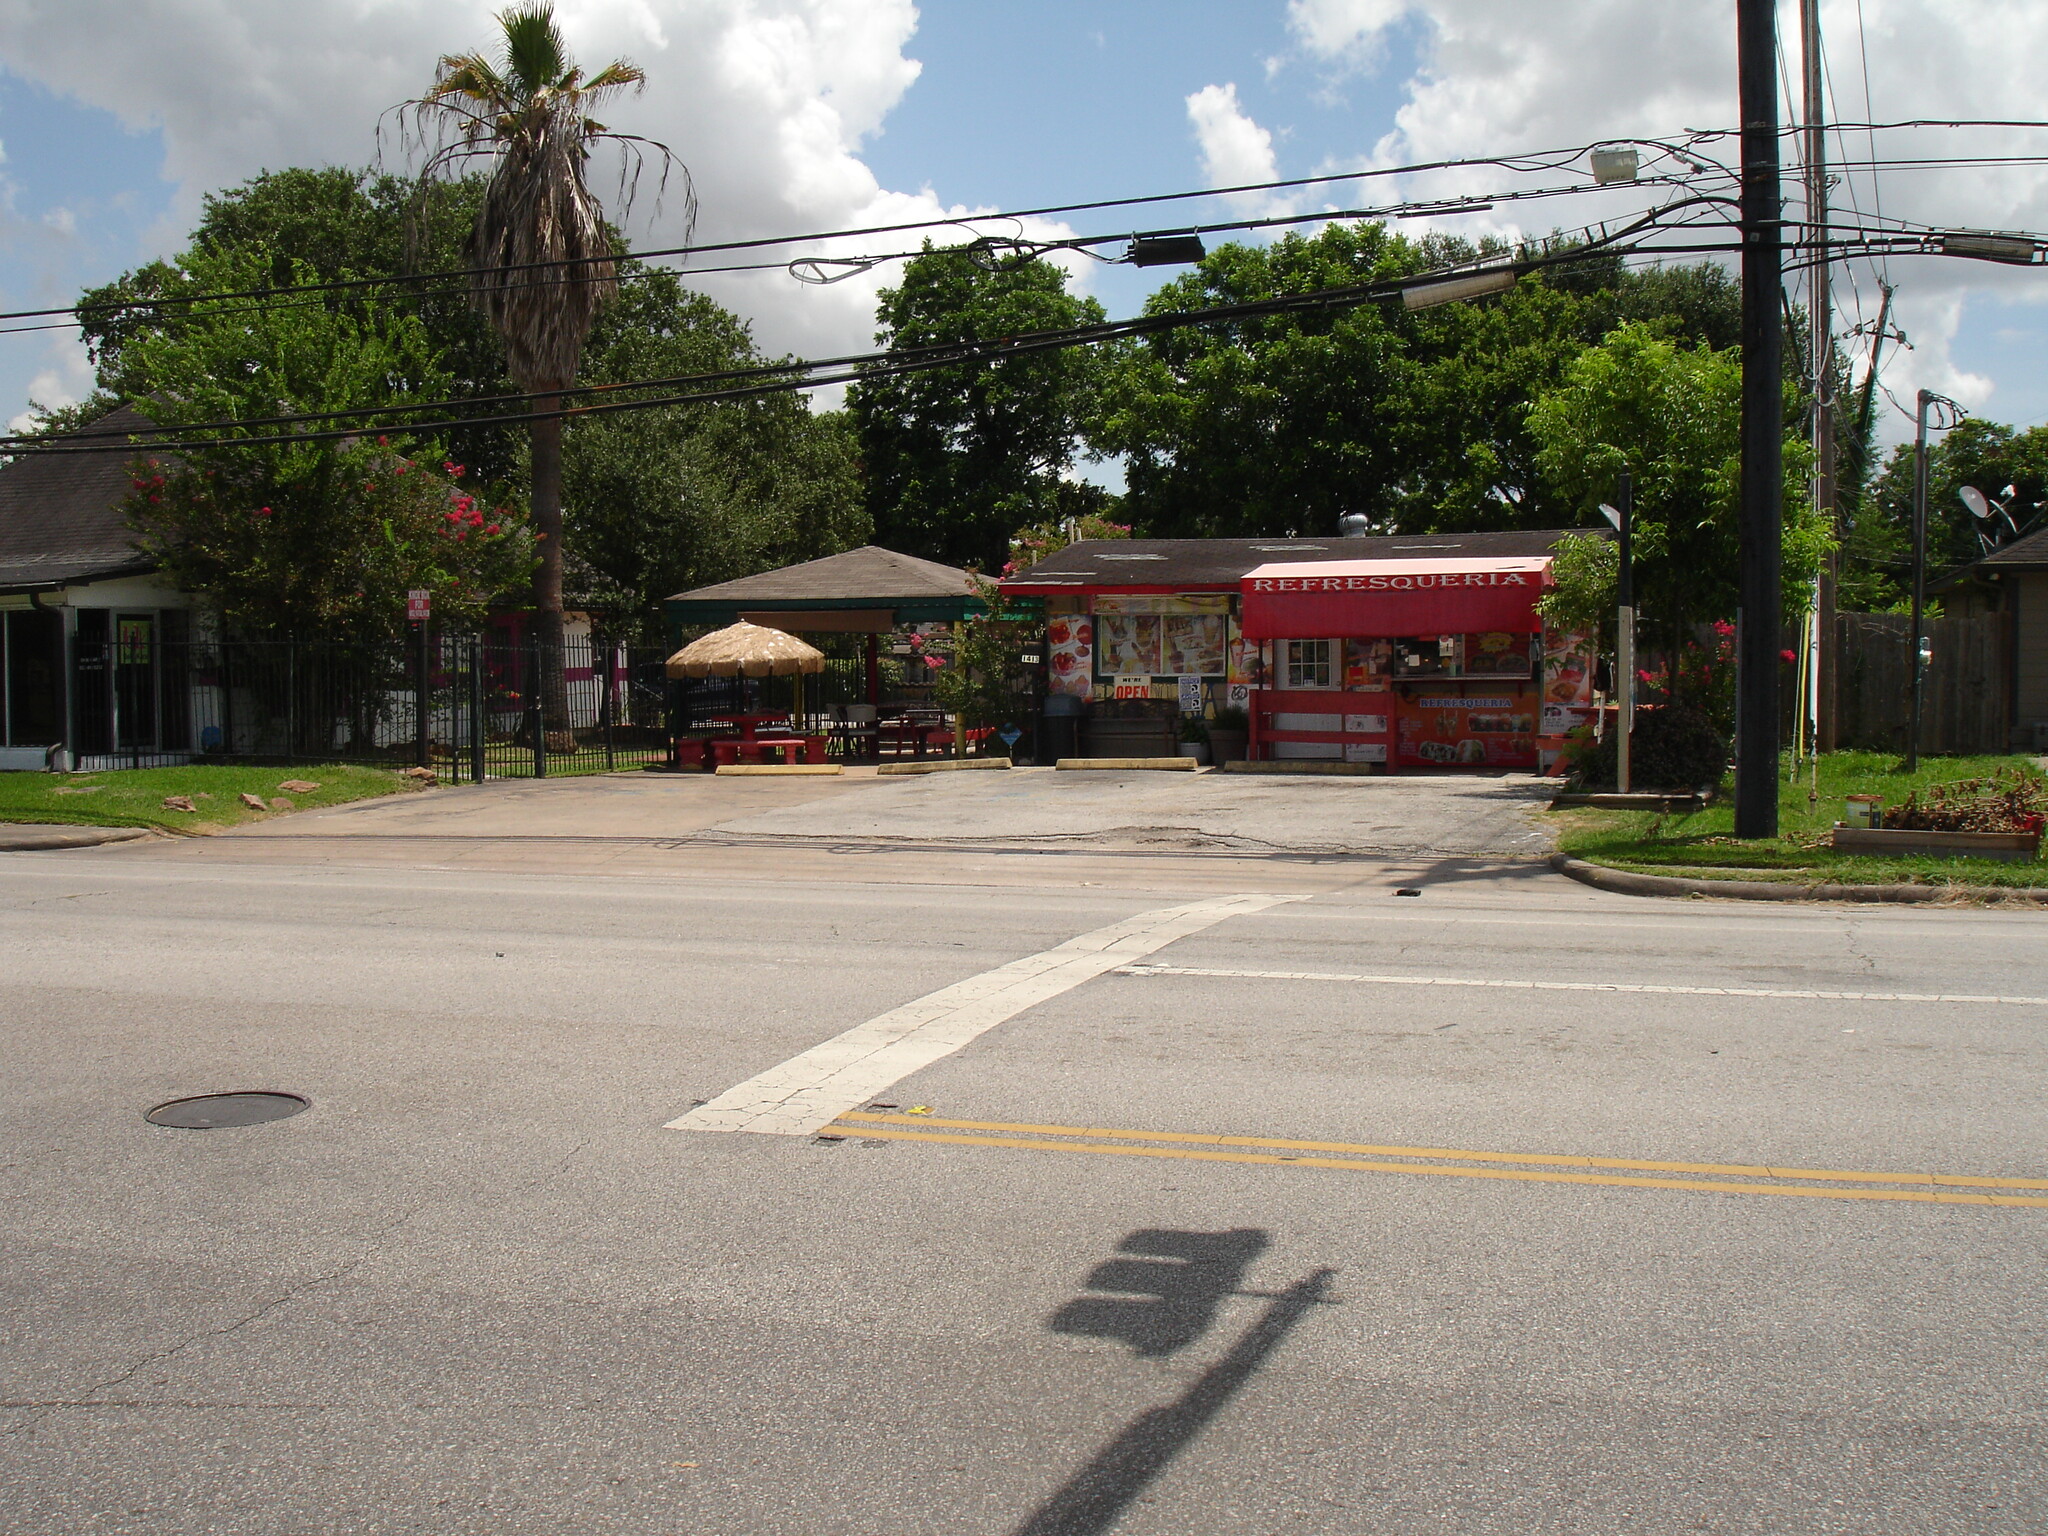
[{"x": 1403, "y": 651}]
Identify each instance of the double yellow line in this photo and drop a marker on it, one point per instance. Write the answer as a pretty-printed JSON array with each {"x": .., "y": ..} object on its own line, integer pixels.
[{"x": 1457, "y": 1163}]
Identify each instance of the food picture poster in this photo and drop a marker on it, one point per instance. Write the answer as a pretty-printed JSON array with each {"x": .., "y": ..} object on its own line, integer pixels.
[
  {"x": 1128, "y": 644},
  {"x": 1070, "y": 653},
  {"x": 1193, "y": 644},
  {"x": 1567, "y": 668},
  {"x": 1495, "y": 729}
]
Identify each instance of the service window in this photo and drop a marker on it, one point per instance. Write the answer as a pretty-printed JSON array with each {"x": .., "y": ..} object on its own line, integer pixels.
[{"x": 1308, "y": 664}]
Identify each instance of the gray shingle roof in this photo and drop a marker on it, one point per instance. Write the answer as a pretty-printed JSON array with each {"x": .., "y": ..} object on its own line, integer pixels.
[
  {"x": 867, "y": 573},
  {"x": 1222, "y": 563},
  {"x": 60, "y": 517},
  {"x": 2028, "y": 554}
]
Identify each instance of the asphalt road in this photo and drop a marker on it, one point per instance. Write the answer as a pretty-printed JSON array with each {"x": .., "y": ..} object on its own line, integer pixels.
[{"x": 480, "y": 1287}]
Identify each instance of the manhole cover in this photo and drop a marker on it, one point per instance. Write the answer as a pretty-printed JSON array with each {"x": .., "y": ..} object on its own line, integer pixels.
[{"x": 210, "y": 1111}]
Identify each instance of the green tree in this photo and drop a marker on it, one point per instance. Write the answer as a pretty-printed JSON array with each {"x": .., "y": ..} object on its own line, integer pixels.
[
  {"x": 319, "y": 538},
  {"x": 1030, "y": 545},
  {"x": 540, "y": 251},
  {"x": 984, "y": 681},
  {"x": 1281, "y": 424},
  {"x": 1669, "y": 414},
  {"x": 666, "y": 499},
  {"x": 333, "y": 225},
  {"x": 1878, "y": 544},
  {"x": 957, "y": 458}
]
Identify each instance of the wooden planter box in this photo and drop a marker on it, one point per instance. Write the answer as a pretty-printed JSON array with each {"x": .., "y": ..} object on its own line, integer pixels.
[
  {"x": 1143, "y": 737},
  {"x": 2007, "y": 847}
]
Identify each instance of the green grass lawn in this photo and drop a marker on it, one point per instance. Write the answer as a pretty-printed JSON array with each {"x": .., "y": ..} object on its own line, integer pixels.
[
  {"x": 134, "y": 797},
  {"x": 1704, "y": 845}
]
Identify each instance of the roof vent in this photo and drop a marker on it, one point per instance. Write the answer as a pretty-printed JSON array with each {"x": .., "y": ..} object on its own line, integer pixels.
[{"x": 1354, "y": 525}]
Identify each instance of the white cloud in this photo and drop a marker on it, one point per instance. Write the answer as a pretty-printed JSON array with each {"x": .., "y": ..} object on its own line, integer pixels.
[
  {"x": 767, "y": 101},
  {"x": 1505, "y": 75},
  {"x": 66, "y": 379},
  {"x": 1352, "y": 31},
  {"x": 1236, "y": 151},
  {"x": 62, "y": 220}
]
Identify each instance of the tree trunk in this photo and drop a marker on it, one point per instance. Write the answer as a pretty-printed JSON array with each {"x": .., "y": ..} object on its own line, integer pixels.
[{"x": 547, "y": 579}]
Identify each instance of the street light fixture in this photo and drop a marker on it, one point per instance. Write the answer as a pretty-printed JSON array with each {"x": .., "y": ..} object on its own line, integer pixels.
[{"x": 1623, "y": 519}]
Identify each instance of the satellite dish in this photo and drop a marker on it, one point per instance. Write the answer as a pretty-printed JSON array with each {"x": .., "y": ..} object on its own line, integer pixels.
[{"x": 1978, "y": 503}]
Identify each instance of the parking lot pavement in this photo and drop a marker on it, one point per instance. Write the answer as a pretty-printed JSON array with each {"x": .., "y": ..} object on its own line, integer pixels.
[{"x": 1031, "y": 807}]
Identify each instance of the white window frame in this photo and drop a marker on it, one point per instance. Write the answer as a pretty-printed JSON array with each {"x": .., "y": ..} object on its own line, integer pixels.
[{"x": 1292, "y": 666}]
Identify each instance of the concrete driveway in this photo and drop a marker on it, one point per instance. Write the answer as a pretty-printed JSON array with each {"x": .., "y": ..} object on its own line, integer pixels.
[{"x": 1028, "y": 807}]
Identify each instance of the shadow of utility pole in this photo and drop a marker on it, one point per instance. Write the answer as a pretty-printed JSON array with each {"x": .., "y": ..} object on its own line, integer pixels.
[{"x": 1096, "y": 1496}]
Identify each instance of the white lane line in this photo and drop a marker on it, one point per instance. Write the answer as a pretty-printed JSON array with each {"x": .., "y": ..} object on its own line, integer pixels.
[
  {"x": 810, "y": 1091},
  {"x": 1799, "y": 994}
]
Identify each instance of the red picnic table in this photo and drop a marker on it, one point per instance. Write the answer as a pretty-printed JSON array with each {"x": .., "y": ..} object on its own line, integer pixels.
[{"x": 747, "y": 743}]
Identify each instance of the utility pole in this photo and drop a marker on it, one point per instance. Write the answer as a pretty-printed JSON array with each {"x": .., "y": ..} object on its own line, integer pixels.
[
  {"x": 1625, "y": 640},
  {"x": 1763, "y": 445},
  {"x": 1916, "y": 654},
  {"x": 1821, "y": 352}
]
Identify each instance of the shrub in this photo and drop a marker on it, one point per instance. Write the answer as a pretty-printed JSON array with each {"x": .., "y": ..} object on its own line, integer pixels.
[
  {"x": 1675, "y": 748},
  {"x": 2005, "y": 802}
]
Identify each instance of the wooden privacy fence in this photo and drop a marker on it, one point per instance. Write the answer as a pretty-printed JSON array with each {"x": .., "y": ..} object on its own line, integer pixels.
[{"x": 1966, "y": 702}]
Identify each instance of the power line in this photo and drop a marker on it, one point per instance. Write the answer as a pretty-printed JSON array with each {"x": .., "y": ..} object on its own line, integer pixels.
[
  {"x": 1549, "y": 159},
  {"x": 786, "y": 377},
  {"x": 998, "y": 246},
  {"x": 810, "y": 374}
]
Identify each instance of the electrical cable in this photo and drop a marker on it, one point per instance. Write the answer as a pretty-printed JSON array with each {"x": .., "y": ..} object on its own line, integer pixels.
[
  {"x": 360, "y": 412},
  {"x": 1553, "y": 159},
  {"x": 870, "y": 365}
]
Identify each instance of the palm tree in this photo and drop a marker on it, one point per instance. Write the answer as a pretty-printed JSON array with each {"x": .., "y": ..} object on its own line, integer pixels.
[{"x": 540, "y": 254}]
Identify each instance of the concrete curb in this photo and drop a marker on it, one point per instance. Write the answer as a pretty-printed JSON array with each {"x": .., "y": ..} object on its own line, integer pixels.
[
  {"x": 1320, "y": 768},
  {"x": 943, "y": 765},
  {"x": 71, "y": 837},
  {"x": 1624, "y": 883},
  {"x": 1667, "y": 804},
  {"x": 1127, "y": 764},
  {"x": 778, "y": 770}
]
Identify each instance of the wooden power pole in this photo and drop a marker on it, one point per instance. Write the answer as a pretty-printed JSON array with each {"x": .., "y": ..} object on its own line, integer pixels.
[
  {"x": 1759, "y": 621},
  {"x": 1821, "y": 359}
]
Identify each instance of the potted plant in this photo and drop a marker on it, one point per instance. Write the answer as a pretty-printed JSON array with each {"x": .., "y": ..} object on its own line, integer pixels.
[
  {"x": 1194, "y": 738},
  {"x": 1229, "y": 734}
]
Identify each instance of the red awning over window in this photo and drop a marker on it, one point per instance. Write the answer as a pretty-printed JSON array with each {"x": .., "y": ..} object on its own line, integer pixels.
[{"x": 1383, "y": 599}]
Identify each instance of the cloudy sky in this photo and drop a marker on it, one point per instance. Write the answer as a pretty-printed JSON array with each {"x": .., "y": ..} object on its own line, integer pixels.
[{"x": 800, "y": 115}]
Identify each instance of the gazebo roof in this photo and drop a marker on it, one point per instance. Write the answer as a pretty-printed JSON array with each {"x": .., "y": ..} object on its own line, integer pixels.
[
  {"x": 866, "y": 590},
  {"x": 869, "y": 574}
]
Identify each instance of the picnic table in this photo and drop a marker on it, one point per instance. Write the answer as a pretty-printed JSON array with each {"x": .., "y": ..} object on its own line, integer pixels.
[{"x": 915, "y": 731}]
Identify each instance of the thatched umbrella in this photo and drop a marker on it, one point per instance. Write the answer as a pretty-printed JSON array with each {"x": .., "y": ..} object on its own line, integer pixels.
[{"x": 748, "y": 650}]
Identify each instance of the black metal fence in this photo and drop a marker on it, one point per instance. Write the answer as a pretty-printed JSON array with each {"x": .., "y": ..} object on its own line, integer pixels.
[{"x": 469, "y": 707}]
